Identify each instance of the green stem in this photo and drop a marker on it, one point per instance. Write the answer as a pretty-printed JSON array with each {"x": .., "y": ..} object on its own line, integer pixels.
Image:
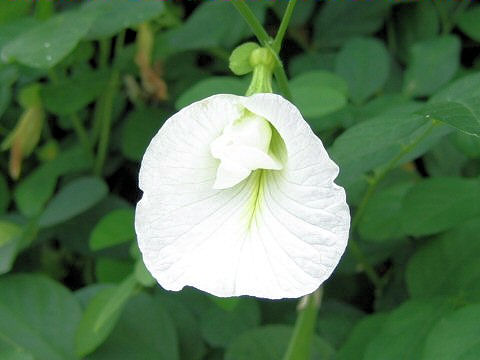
[
  {"x": 277, "y": 43},
  {"x": 302, "y": 337},
  {"x": 105, "y": 48},
  {"x": 266, "y": 41},
  {"x": 105, "y": 120},
  {"x": 352, "y": 244},
  {"x": 252, "y": 21},
  {"x": 81, "y": 133}
]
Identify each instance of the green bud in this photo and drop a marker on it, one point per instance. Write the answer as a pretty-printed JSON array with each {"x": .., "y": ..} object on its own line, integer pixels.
[{"x": 240, "y": 63}]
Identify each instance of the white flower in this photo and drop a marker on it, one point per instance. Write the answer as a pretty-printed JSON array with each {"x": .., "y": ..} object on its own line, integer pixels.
[{"x": 239, "y": 199}]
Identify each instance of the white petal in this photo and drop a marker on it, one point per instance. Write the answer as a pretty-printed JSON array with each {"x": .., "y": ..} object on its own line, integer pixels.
[{"x": 278, "y": 233}]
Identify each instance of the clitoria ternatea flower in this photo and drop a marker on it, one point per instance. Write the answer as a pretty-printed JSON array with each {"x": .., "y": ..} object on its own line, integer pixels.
[{"x": 239, "y": 199}]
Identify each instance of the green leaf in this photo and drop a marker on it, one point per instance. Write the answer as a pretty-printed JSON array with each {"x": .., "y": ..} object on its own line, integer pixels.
[
  {"x": 318, "y": 93},
  {"x": 312, "y": 61},
  {"x": 10, "y": 351},
  {"x": 448, "y": 265},
  {"x": 462, "y": 114},
  {"x": 35, "y": 190},
  {"x": 208, "y": 24},
  {"x": 73, "y": 199},
  {"x": 70, "y": 95},
  {"x": 335, "y": 321},
  {"x": 239, "y": 61},
  {"x": 120, "y": 14},
  {"x": 404, "y": 331},
  {"x": 361, "y": 335},
  {"x": 49, "y": 42},
  {"x": 414, "y": 22},
  {"x": 38, "y": 316},
  {"x": 109, "y": 270},
  {"x": 338, "y": 21},
  {"x": 113, "y": 229},
  {"x": 8, "y": 12},
  {"x": 433, "y": 63},
  {"x": 9, "y": 244},
  {"x": 139, "y": 128},
  {"x": 355, "y": 152},
  {"x": 462, "y": 88},
  {"x": 381, "y": 219},
  {"x": 456, "y": 336},
  {"x": 270, "y": 343},
  {"x": 191, "y": 345},
  {"x": 365, "y": 64},
  {"x": 220, "y": 327},
  {"x": 144, "y": 330},
  {"x": 211, "y": 86},
  {"x": 438, "y": 204},
  {"x": 101, "y": 315},
  {"x": 469, "y": 22},
  {"x": 142, "y": 275}
]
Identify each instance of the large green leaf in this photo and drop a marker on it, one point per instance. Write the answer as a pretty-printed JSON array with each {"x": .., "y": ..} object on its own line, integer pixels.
[
  {"x": 356, "y": 152},
  {"x": 144, "y": 331},
  {"x": 318, "y": 93},
  {"x": 191, "y": 345},
  {"x": 35, "y": 190},
  {"x": 456, "y": 337},
  {"x": 70, "y": 95},
  {"x": 38, "y": 317},
  {"x": 365, "y": 64},
  {"x": 403, "y": 334},
  {"x": 114, "y": 228},
  {"x": 336, "y": 320},
  {"x": 139, "y": 128},
  {"x": 49, "y": 42},
  {"x": 9, "y": 244},
  {"x": 270, "y": 343},
  {"x": 448, "y": 265},
  {"x": 207, "y": 23},
  {"x": 381, "y": 219},
  {"x": 432, "y": 64},
  {"x": 469, "y": 22},
  {"x": 114, "y": 16},
  {"x": 73, "y": 199},
  {"x": 463, "y": 114},
  {"x": 438, "y": 204},
  {"x": 361, "y": 336},
  {"x": 220, "y": 327},
  {"x": 338, "y": 21},
  {"x": 101, "y": 316}
]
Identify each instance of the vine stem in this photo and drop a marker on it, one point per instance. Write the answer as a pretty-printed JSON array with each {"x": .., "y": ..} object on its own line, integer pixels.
[
  {"x": 287, "y": 16},
  {"x": 267, "y": 42},
  {"x": 301, "y": 341},
  {"x": 252, "y": 21},
  {"x": 352, "y": 244}
]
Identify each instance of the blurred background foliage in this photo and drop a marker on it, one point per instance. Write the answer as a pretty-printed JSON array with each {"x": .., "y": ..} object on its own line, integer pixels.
[{"x": 391, "y": 87}]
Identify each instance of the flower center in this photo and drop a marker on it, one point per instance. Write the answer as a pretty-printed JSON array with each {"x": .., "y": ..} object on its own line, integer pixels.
[{"x": 243, "y": 147}]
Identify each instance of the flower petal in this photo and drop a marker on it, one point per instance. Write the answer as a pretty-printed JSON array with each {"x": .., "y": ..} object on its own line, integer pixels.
[{"x": 278, "y": 233}]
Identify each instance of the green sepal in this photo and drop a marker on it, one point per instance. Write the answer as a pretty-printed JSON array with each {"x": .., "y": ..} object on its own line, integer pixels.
[{"x": 239, "y": 61}]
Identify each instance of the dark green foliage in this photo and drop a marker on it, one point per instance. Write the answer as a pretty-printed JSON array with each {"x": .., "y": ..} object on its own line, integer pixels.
[{"x": 391, "y": 87}]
